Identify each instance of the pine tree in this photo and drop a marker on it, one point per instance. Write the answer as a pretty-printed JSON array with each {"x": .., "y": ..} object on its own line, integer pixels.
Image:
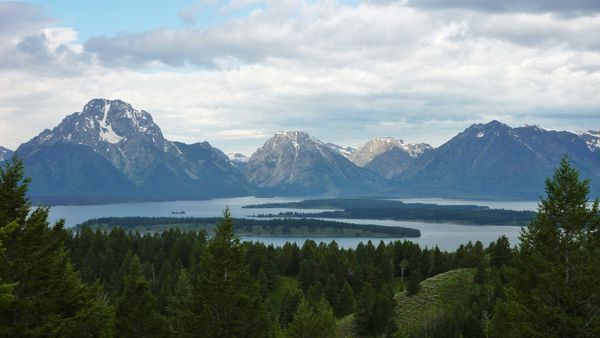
[
  {"x": 136, "y": 311},
  {"x": 290, "y": 303},
  {"x": 414, "y": 285},
  {"x": 364, "y": 310},
  {"x": 345, "y": 304},
  {"x": 179, "y": 308},
  {"x": 313, "y": 321},
  {"x": 49, "y": 298},
  {"x": 552, "y": 288},
  {"x": 6, "y": 289},
  {"x": 227, "y": 302}
]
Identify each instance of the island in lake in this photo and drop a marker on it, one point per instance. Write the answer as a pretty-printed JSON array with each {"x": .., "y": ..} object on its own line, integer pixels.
[
  {"x": 295, "y": 227},
  {"x": 364, "y": 208}
]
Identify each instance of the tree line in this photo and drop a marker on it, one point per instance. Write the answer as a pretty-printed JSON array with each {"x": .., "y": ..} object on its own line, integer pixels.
[{"x": 92, "y": 283}]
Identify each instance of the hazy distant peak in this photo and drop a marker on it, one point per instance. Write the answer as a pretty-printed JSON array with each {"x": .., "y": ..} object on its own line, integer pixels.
[
  {"x": 380, "y": 145},
  {"x": 237, "y": 157}
]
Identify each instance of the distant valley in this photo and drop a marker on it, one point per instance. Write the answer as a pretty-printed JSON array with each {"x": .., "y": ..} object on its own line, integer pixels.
[{"x": 112, "y": 152}]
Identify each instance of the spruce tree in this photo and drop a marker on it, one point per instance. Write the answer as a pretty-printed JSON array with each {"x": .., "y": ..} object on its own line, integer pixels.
[
  {"x": 364, "y": 310},
  {"x": 136, "y": 311},
  {"x": 345, "y": 304},
  {"x": 313, "y": 321},
  {"x": 6, "y": 289},
  {"x": 553, "y": 285},
  {"x": 227, "y": 301},
  {"x": 290, "y": 303},
  {"x": 49, "y": 298},
  {"x": 179, "y": 309},
  {"x": 414, "y": 285}
]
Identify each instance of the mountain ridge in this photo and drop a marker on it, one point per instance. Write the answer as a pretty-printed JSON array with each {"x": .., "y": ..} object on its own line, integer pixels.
[
  {"x": 293, "y": 162},
  {"x": 132, "y": 159}
]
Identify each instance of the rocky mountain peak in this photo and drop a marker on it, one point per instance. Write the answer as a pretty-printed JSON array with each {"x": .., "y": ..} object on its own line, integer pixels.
[
  {"x": 380, "y": 145},
  {"x": 592, "y": 139},
  {"x": 105, "y": 123},
  {"x": 344, "y": 151},
  {"x": 5, "y": 154}
]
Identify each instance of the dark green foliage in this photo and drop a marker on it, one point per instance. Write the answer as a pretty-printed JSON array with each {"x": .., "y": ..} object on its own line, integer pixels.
[
  {"x": 413, "y": 287},
  {"x": 247, "y": 226},
  {"x": 552, "y": 286},
  {"x": 375, "y": 310},
  {"x": 291, "y": 300},
  {"x": 227, "y": 302},
  {"x": 345, "y": 303},
  {"x": 364, "y": 208},
  {"x": 6, "y": 289},
  {"x": 136, "y": 311},
  {"x": 179, "y": 308},
  {"x": 315, "y": 320},
  {"x": 14, "y": 204},
  {"x": 49, "y": 298}
]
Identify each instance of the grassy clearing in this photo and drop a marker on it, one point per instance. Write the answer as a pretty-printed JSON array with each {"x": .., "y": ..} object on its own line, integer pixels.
[
  {"x": 437, "y": 293},
  {"x": 275, "y": 297}
]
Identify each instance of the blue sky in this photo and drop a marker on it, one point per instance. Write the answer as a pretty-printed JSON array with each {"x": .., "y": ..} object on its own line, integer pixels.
[
  {"x": 235, "y": 72},
  {"x": 111, "y": 17}
]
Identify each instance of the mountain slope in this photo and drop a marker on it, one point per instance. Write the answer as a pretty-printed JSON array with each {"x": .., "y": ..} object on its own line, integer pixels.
[
  {"x": 380, "y": 145},
  {"x": 294, "y": 163},
  {"x": 592, "y": 139},
  {"x": 388, "y": 156},
  {"x": 390, "y": 163},
  {"x": 5, "y": 154},
  {"x": 112, "y": 150},
  {"x": 238, "y": 160},
  {"x": 344, "y": 151},
  {"x": 496, "y": 161}
]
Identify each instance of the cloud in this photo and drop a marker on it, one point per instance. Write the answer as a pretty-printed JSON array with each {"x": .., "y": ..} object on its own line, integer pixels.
[
  {"x": 189, "y": 14},
  {"x": 27, "y": 42},
  {"x": 580, "y": 7},
  {"x": 17, "y": 18},
  {"x": 343, "y": 73}
]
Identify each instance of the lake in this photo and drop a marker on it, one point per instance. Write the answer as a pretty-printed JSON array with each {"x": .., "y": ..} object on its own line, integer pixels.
[{"x": 446, "y": 236}]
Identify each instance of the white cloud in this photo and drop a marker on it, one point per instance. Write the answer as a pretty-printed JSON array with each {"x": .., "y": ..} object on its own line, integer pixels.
[{"x": 343, "y": 73}]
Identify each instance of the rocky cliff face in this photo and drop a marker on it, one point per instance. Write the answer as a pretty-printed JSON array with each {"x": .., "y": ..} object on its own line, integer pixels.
[
  {"x": 131, "y": 157},
  {"x": 377, "y": 146},
  {"x": 293, "y": 162}
]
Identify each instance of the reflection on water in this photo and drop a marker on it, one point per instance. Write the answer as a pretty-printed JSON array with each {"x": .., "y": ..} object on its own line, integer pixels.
[{"x": 446, "y": 236}]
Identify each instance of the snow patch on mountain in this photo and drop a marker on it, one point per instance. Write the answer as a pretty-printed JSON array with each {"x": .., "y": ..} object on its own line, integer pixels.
[
  {"x": 591, "y": 138},
  {"x": 380, "y": 145},
  {"x": 5, "y": 154},
  {"x": 344, "y": 151},
  {"x": 237, "y": 157}
]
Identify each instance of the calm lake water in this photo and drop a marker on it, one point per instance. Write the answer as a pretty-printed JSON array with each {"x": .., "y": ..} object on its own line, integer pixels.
[{"x": 447, "y": 236}]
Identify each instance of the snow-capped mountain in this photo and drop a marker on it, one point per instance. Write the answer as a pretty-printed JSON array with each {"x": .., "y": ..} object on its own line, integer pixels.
[
  {"x": 293, "y": 162},
  {"x": 237, "y": 157},
  {"x": 494, "y": 160},
  {"x": 377, "y": 146},
  {"x": 111, "y": 149},
  {"x": 592, "y": 139},
  {"x": 344, "y": 151},
  {"x": 238, "y": 160},
  {"x": 5, "y": 154}
]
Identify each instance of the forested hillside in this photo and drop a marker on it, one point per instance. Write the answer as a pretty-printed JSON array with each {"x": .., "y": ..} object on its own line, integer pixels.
[{"x": 118, "y": 283}]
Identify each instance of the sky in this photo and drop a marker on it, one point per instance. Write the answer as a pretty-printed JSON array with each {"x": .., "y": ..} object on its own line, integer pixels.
[{"x": 235, "y": 72}]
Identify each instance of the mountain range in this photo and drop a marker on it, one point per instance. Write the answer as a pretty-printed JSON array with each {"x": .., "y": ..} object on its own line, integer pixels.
[
  {"x": 294, "y": 163},
  {"x": 111, "y": 151}
]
